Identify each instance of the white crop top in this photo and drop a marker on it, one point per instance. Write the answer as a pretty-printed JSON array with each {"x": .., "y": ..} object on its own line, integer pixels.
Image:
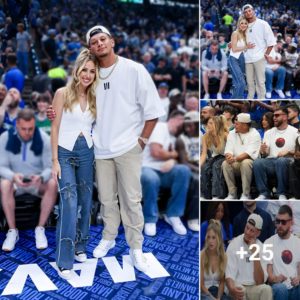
[
  {"x": 72, "y": 124},
  {"x": 240, "y": 43}
]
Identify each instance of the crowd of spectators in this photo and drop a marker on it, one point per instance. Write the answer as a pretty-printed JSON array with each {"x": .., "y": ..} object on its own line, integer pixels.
[
  {"x": 164, "y": 39},
  {"x": 218, "y": 20}
]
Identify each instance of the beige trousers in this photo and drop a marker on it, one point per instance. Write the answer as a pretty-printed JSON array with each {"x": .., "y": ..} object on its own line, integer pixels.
[
  {"x": 258, "y": 292},
  {"x": 242, "y": 169},
  {"x": 256, "y": 79},
  {"x": 119, "y": 191}
]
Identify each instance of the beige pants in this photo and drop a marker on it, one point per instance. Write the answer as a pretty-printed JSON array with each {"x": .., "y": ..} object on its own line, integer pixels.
[
  {"x": 242, "y": 169},
  {"x": 258, "y": 292},
  {"x": 120, "y": 176},
  {"x": 256, "y": 78}
]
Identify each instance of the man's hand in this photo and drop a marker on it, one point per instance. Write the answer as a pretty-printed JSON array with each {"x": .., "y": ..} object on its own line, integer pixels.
[
  {"x": 168, "y": 165},
  {"x": 264, "y": 149},
  {"x": 18, "y": 180},
  {"x": 283, "y": 153},
  {"x": 51, "y": 113},
  {"x": 295, "y": 281},
  {"x": 36, "y": 180},
  {"x": 230, "y": 158},
  {"x": 237, "y": 293}
]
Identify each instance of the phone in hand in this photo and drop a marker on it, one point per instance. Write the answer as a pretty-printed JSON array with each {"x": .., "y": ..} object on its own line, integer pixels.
[{"x": 26, "y": 179}]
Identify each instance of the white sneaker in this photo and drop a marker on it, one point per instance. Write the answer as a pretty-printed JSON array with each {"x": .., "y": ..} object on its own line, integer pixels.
[
  {"x": 176, "y": 224},
  {"x": 292, "y": 199},
  {"x": 215, "y": 198},
  {"x": 288, "y": 94},
  {"x": 103, "y": 247},
  {"x": 230, "y": 197},
  {"x": 244, "y": 197},
  {"x": 268, "y": 95},
  {"x": 80, "y": 256},
  {"x": 150, "y": 229},
  {"x": 40, "y": 238},
  {"x": 65, "y": 273},
  {"x": 12, "y": 237},
  {"x": 280, "y": 94},
  {"x": 282, "y": 197},
  {"x": 206, "y": 96},
  {"x": 139, "y": 260},
  {"x": 193, "y": 224},
  {"x": 261, "y": 197},
  {"x": 219, "y": 96}
]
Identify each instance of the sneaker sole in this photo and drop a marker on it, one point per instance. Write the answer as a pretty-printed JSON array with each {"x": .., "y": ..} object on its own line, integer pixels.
[
  {"x": 80, "y": 259},
  {"x": 67, "y": 277},
  {"x": 99, "y": 256},
  {"x": 140, "y": 269},
  {"x": 173, "y": 227}
]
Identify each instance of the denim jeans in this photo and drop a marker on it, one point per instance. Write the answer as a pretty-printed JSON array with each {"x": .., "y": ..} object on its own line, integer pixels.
[
  {"x": 237, "y": 68},
  {"x": 76, "y": 190},
  {"x": 268, "y": 167},
  {"x": 280, "y": 74},
  {"x": 214, "y": 291},
  {"x": 22, "y": 58},
  {"x": 177, "y": 180},
  {"x": 280, "y": 292}
]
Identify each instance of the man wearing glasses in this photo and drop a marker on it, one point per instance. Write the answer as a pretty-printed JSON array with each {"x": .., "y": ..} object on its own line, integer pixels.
[
  {"x": 283, "y": 268},
  {"x": 276, "y": 151}
]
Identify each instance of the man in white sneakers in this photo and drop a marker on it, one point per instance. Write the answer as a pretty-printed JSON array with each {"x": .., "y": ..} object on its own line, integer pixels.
[
  {"x": 246, "y": 271},
  {"x": 242, "y": 147},
  {"x": 128, "y": 107},
  {"x": 25, "y": 167},
  {"x": 277, "y": 152}
]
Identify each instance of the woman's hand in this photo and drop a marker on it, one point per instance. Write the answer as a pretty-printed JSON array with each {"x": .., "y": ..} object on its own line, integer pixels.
[
  {"x": 250, "y": 45},
  {"x": 56, "y": 171}
]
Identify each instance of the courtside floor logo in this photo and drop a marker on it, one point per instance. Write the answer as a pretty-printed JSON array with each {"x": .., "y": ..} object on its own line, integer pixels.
[{"x": 85, "y": 274}]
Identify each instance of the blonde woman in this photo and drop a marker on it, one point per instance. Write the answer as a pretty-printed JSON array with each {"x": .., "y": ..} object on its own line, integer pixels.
[
  {"x": 236, "y": 60},
  {"x": 213, "y": 143},
  {"x": 213, "y": 264},
  {"x": 73, "y": 157}
]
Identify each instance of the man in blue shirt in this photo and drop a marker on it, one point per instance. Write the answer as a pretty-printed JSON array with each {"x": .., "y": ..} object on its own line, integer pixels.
[{"x": 14, "y": 78}]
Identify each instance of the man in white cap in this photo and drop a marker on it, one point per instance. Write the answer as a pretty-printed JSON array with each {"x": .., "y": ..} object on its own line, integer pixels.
[
  {"x": 246, "y": 268},
  {"x": 277, "y": 150},
  {"x": 242, "y": 147},
  {"x": 259, "y": 33},
  {"x": 284, "y": 268}
]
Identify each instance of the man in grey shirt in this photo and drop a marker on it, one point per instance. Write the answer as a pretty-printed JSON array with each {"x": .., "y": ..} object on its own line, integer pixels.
[{"x": 25, "y": 167}]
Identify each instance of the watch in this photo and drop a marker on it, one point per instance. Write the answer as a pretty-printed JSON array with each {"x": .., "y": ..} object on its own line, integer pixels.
[{"x": 144, "y": 140}]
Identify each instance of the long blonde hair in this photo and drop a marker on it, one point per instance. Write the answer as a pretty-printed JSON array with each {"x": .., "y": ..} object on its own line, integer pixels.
[
  {"x": 216, "y": 227},
  {"x": 221, "y": 132},
  {"x": 71, "y": 92},
  {"x": 241, "y": 35}
]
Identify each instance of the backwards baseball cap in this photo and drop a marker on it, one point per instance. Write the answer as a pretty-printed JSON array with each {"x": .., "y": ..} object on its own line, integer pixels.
[
  {"x": 191, "y": 117},
  {"x": 255, "y": 220},
  {"x": 243, "y": 118},
  {"x": 94, "y": 30},
  {"x": 163, "y": 85},
  {"x": 247, "y": 6}
]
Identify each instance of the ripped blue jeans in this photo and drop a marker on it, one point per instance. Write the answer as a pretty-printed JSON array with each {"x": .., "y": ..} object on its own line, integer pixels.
[{"x": 76, "y": 190}]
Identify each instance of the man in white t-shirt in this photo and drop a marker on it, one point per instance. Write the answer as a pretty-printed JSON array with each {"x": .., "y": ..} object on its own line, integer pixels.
[
  {"x": 242, "y": 147},
  {"x": 128, "y": 107},
  {"x": 259, "y": 33},
  {"x": 277, "y": 150},
  {"x": 246, "y": 266},
  {"x": 284, "y": 269},
  {"x": 161, "y": 170}
]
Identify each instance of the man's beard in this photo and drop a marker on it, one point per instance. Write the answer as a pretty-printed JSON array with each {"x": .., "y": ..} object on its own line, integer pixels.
[
  {"x": 283, "y": 233},
  {"x": 14, "y": 104}
]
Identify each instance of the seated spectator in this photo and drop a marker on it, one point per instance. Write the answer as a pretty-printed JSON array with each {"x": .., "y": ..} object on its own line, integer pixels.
[
  {"x": 266, "y": 123},
  {"x": 163, "y": 89},
  {"x": 293, "y": 115},
  {"x": 191, "y": 102},
  {"x": 246, "y": 278},
  {"x": 242, "y": 147},
  {"x": 191, "y": 77},
  {"x": 230, "y": 114},
  {"x": 275, "y": 70},
  {"x": 13, "y": 78},
  {"x": 218, "y": 210},
  {"x": 206, "y": 113},
  {"x": 214, "y": 140},
  {"x": 214, "y": 65},
  {"x": 187, "y": 146},
  {"x": 213, "y": 264},
  {"x": 26, "y": 172},
  {"x": 283, "y": 268},
  {"x": 9, "y": 109},
  {"x": 162, "y": 72},
  {"x": 161, "y": 170},
  {"x": 41, "y": 120},
  {"x": 177, "y": 73},
  {"x": 42, "y": 82},
  {"x": 240, "y": 220},
  {"x": 277, "y": 149},
  {"x": 148, "y": 64},
  {"x": 294, "y": 173}
]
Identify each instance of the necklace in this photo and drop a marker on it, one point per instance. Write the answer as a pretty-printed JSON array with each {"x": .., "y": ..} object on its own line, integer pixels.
[
  {"x": 116, "y": 62},
  {"x": 242, "y": 140}
]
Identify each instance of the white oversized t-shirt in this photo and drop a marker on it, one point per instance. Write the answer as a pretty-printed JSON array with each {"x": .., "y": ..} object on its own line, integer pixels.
[
  {"x": 286, "y": 256},
  {"x": 125, "y": 100},
  {"x": 280, "y": 140}
]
